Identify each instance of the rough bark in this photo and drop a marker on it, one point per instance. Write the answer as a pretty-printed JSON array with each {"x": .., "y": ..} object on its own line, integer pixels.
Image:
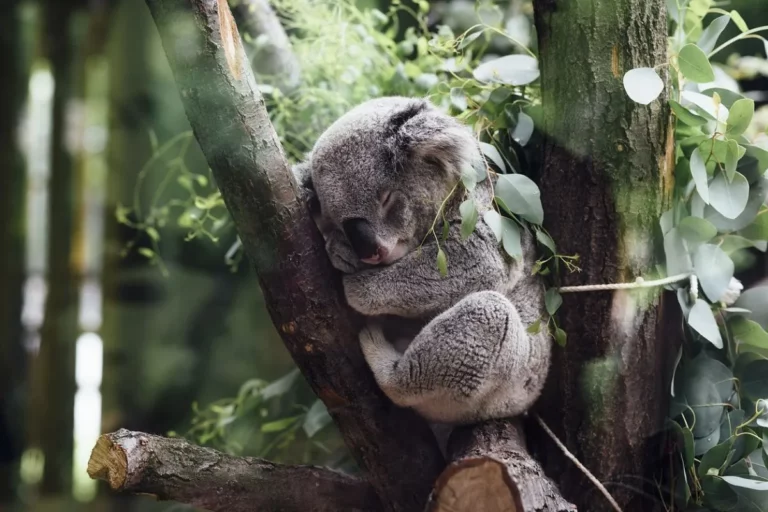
[
  {"x": 173, "y": 469},
  {"x": 395, "y": 448},
  {"x": 274, "y": 59},
  {"x": 491, "y": 470},
  {"x": 605, "y": 180}
]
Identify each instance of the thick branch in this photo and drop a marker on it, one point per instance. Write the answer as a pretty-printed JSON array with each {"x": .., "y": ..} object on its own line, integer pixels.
[
  {"x": 274, "y": 58},
  {"x": 394, "y": 447},
  {"x": 493, "y": 471},
  {"x": 173, "y": 469}
]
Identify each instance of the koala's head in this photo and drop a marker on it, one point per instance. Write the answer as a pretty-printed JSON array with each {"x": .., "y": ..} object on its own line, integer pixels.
[{"x": 381, "y": 171}]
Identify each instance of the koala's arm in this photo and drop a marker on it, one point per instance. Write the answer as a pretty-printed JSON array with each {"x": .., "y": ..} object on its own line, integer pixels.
[{"x": 413, "y": 287}]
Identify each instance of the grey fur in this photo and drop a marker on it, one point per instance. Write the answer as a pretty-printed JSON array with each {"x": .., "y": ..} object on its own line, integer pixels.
[{"x": 473, "y": 358}]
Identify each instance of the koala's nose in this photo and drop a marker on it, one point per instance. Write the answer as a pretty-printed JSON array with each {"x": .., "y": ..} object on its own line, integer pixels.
[{"x": 361, "y": 236}]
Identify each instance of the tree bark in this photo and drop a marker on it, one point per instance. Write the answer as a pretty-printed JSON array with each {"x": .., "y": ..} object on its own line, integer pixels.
[
  {"x": 274, "y": 60},
  {"x": 493, "y": 471},
  {"x": 173, "y": 469},
  {"x": 606, "y": 177},
  {"x": 395, "y": 448}
]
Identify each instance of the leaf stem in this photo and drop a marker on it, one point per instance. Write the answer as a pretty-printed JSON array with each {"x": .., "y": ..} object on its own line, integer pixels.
[{"x": 737, "y": 38}]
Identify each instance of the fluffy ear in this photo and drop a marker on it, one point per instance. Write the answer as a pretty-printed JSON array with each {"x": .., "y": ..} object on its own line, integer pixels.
[
  {"x": 302, "y": 172},
  {"x": 421, "y": 131}
]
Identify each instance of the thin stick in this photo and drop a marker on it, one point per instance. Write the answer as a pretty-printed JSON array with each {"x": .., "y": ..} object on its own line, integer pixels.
[{"x": 579, "y": 465}]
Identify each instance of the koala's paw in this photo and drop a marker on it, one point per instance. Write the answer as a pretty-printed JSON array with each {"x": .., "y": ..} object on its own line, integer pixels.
[
  {"x": 342, "y": 258},
  {"x": 357, "y": 295},
  {"x": 376, "y": 349}
]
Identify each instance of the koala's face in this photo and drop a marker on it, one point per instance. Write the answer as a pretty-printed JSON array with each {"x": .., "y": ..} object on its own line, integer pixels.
[{"x": 381, "y": 171}]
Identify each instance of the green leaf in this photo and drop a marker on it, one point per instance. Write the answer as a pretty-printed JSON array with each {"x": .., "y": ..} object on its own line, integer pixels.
[
  {"x": 731, "y": 159},
  {"x": 469, "y": 217},
  {"x": 153, "y": 234},
  {"x": 748, "y": 332},
  {"x": 699, "y": 174},
  {"x": 442, "y": 262},
  {"x": 643, "y": 85},
  {"x": 469, "y": 178},
  {"x": 534, "y": 328},
  {"x": 146, "y": 252},
  {"x": 280, "y": 386},
  {"x": 685, "y": 115},
  {"x": 696, "y": 231},
  {"x": 695, "y": 65},
  {"x": 279, "y": 425},
  {"x": 756, "y": 300},
  {"x": 523, "y": 129},
  {"x": 316, "y": 419},
  {"x": 739, "y": 21},
  {"x": 677, "y": 258},
  {"x": 521, "y": 196},
  {"x": 758, "y": 230},
  {"x": 458, "y": 99},
  {"x": 510, "y": 70},
  {"x": 510, "y": 238},
  {"x": 727, "y": 96},
  {"x": 747, "y": 483},
  {"x": 446, "y": 231},
  {"x": 739, "y": 117},
  {"x": 714, "y": 269},
  {"x": 708, "y": 38},
  {"x": 713, "y": 461},
  {"x": 545, "y": 240},
  {"x": 703, "y": 322},
  {"x": 493, "y": 220},
  {"x": 493, "y": 153},
  {"x": 552, "y": 301},
  {"x": 729, "y": 198},
  {"x": 561, "y": 337},
  {"x": 685, "y": 440}
]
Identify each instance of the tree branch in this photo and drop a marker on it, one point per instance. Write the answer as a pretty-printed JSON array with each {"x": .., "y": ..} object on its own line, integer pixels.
[
  {"x": 274, "y": 58},
  {"x": 492, "y": 470},
  {"x": 395, "y": 448},
  {"x": 173, "y": 469}
]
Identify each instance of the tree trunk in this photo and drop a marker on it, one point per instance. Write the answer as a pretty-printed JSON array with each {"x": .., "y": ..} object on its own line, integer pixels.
[
  {"x": 395, "y": 448},
  {"x": 606, "y": 177},
  {"x": 51, "y": 419},
  {"x": 13, "y": 87}
]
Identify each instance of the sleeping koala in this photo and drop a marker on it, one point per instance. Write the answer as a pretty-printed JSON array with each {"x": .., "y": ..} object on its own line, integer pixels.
[{"x": 375, "y": 181}]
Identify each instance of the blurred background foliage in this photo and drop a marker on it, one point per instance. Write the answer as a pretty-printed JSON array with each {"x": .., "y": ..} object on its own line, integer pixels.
[{"x": 125, "y": 303}]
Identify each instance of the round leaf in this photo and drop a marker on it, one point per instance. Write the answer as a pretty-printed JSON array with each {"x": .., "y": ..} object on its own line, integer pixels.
[
  {"x": 699, "y": 173},
  {"x": 739, "y": 116},
  {"x": 521, "y": 196},
  {"x": 729, "y": 198},
  {"x": 714, "y": 269},
  {"x": 695, "y": 65},
  {"x": 510, "y": 70},
  {"x": 756, "y": 300},
  {"x": 552, "y": 301},
  {"x": 754, "y": 379},
  {"x": 493, "y": 220},
  {"x": 469, "y": 216},
  {"x": 695, "y": 230},
  {"x": 493, "y": 153},
  {"x": 643, "y": 85},
  {"x": 685, "y": 115}
]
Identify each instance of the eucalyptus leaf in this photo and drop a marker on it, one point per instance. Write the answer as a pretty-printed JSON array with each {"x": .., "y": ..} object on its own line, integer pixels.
[
  {"x": 521, "y": 196},
  {"x": 731, "y": 159},
  {"x": 685, "y": 115},
  {"x": 714, "y": 269},
  {"x": 703, "y": 321},
  {"x": 739, "y": 21},
  {"x": 546, "y": 241},
  {"x": 699, "y": 174},
  {"x": 706, "y": 106},
  {"x": 756, "y": 300},
  {"x": 708, "y": 38},
  {"x": 758, "y": 230},
  {"x": 727, "y": 96},
  {"x": 510, "y": 238},
  {"x": 561, "y": 337},
  {"x": 729, "y": 198},
  {"x": 493, "y": 153},
  {"x": 754, "y": 379},
  {"x": 714, "y": 459},
  {"x": 748, "y": 332},
  {"x": 523, "y": 129},
  {"x": 442, "y": 262},
  {"x": 552, "y": 301},
  {"x": 509, "y": 70},
  {"x": 458, "y": 99},
  {"x": 739, "y": 117},
  {"x": 469, "y": 216},
  {"x": 677, "y": 257},
  {"x": 468, "y": 178},
  {"x": 758, "y": 193},
  {"x": 279, "y": 425},
  {"x": 281, "y": 385},
  {"x": 695, "y": 65},
  {"x": 643, "y": 85},
  {"x": 493, "y": 220},
  {"x": 695, "y": 230},
  {"x": 747, "y": 483}
]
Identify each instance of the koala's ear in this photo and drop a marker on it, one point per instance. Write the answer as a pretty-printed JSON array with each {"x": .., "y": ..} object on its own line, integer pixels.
[
  {"x": 302, "y": 172},
  {"x": 421, "y": 131}
]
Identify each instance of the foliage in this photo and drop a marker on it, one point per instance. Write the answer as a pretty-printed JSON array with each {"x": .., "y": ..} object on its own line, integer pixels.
[{"x": 719, "y": 410}]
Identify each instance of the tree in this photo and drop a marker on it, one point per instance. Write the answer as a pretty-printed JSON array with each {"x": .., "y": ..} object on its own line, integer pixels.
[{"x": 394, "y": 448}]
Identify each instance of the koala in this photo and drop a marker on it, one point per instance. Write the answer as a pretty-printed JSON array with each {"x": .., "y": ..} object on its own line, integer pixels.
[{"x": 375, "y": 181}]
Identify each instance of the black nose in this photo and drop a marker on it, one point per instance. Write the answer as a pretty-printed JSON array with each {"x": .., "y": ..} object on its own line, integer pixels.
[{"x": 361, "y": 236}]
